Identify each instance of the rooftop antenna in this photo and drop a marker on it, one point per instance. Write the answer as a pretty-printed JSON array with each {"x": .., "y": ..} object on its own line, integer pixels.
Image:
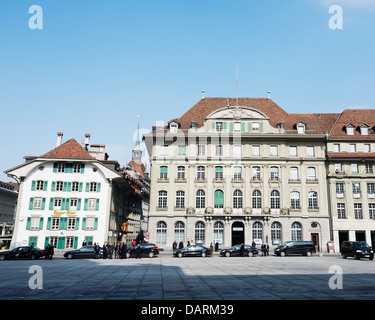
[
  {"x": 237, "y": 84},
  {"x": 269, "y": 94},
  {"x": 203, "y": 94}
]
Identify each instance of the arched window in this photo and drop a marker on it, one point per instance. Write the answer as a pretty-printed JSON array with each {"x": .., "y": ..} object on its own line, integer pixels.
[
  {"x": 275, "y": 199},
  {"x": 274, "y": 173},
  {"x": 180, "y": 199},
  {"x": 161, "y": 233},
  {"x": 200, "y": 199},
  {"x": 294, "y": 200},
  {"x": 276, "y": 231},
  {"x": 311, "y": 174},
  {"x": 219, "y": 199},
  {"x": 200, "y": 173},
  {"x": 258, "y": 230},
  {"x": 179, "y": 232},
  {"x": 313, "y": 200},
  {"x": 256, "y": 173},
  {"x": 162, "y": 200},
  {"x": 181, "y": 172},
  {"x": 219, "y": 173},
  {"x": 200, "y": 231},
  {"x": 237, "y": 199},
  {"x": 163, "y": 172},
  {"x": 219, "y": 232},
  {"x": 296, "y": 231},
  {"x": 294, "y": 174},
  {"x": 257, "y": 199}
]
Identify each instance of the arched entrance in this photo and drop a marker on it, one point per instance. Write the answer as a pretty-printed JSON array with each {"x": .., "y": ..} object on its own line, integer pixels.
[{"x": 238, "y": 233}]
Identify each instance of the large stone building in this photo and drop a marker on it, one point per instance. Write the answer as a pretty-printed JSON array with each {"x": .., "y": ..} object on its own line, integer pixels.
[
  {"x": 243, "y": 170},
  {"x": 74, "y": 193},
  {"x": 238, "y": 170}
]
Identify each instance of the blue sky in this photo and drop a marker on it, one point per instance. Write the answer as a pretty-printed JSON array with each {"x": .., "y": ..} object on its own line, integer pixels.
[{"x": 96, "y": 65}]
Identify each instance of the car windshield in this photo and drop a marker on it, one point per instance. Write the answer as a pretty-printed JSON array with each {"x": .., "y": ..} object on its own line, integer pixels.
[
  {"x": 286, "y": 243},
  {"x": 362, "y": 245}
]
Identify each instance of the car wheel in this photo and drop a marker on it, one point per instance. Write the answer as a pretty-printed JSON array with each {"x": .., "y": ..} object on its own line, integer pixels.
[
  {"x": 203, "y": 254},
  {"x": 282, "y": 254},
  {"x": 250, "y": 254},
  {"x": 356, "y": 256},
  {"x": 227, "y": 254},
  {"x": 344, "y": 256},
  {"x": 33, "y": 257},
  {"x": 180, "y": 254},
  {"x": 127, "y": 255},
  {"x": 2, "y": 257},
  {"x": 308, "y": 253},
  {"x": 151, "y": 255},
  {"x": 70, "y": 256}
]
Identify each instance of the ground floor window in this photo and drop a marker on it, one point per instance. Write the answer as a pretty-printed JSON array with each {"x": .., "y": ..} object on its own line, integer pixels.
[
  {"x": 257, "y": 230},
  {"x": 296, "y": 231},
  {"x": 200, "y": 231},
  {"x": 161, "y": 233},
  {"x": 276, "y": 232},
  {"x": 179, "y": 231},
  {"x": 219, "y": 232}
]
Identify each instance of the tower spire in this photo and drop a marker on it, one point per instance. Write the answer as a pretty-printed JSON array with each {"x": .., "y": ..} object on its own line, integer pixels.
[{"x": 137, "y": 152}]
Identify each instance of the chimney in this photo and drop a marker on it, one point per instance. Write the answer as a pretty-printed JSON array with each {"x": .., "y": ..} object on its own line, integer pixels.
[
  {"x": 59, "y": 139},
  {"x": 87, "y": 141}
]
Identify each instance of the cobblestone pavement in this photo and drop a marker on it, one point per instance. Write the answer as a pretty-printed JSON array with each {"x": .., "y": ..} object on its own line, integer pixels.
[{"x": 169, "y": 278}]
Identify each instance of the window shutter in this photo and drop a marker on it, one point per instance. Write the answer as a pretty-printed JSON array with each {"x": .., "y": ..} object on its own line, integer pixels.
[
  {"x": 79, "y": 204},
  {"x": 261, "y": 126},
  {"x": 82, "y": 168},
  {"x": 87, "y": 186},
  {"x": 31, "y": 203},
  {"x": 98, "y": 186},
  {"x": 65, "y": 186},
  {"x": 219, "y": 197},
  {"x": 63, "y": 204},
  {"x": 28, "y": 223},
  {"x": 53, "y": 187},
  {"x": 84, "y": 224},
  {"x": 41, "y": 220},
  {"x": 85, "y": 205},
  {"x": 46, "y": 241},
  {"x": 60, "y": 242},
  {"x": 243, "y": 126},
  {"x": 163, "y": 169},
  {"x": 49, "y": 223},
  {"x": 80, "y": 187},
  {"x": 51, "y": 203},
  {"x": 69, "y": 186},
  {"x": 45, "y": 184},
  {"x": 55, "y": 167},
  {"x": 225, "y": 126},
  {"x": 67, "y": 203},
  {"x": 249, "y": 127},
  {"x": 43, "y": 203},
  {"x": 96, "y": 224},
  {"x": 231, "y": 126},
  {"x": 63, "y": 223},
  {"x": 213, "y": 126},
  {"x": 75, "y": 243},
  {"x": 33, "y": 185},
  {"x": 97, "y": 205},
  {"x": 77, "y": 223}
]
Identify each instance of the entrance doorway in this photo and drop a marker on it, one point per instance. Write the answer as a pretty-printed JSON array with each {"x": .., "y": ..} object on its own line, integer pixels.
[
  {"x": 238, "y": 233},
  {"x": 343, "y": 236},
  {"x": 315, "y": 239}
]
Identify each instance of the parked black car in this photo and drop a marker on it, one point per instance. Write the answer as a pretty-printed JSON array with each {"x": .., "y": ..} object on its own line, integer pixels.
[
  {"x": 357, "y": 250},
  {"x": 22, "y": 253},
  {"x": 147, "y": 250},
  {"x": 295, "y": 247},
  {"x": 84, "y": 252},
  {"x": 192, "y": 251},
  {"x": 248, "y": 251}
]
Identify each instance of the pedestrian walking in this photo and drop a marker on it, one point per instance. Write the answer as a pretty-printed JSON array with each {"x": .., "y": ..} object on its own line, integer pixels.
[
  {"x": 267, "y": 248},
  {"x": 124, "y": 250},
  {"x": 105, "y": 251},
  {"x": 212, "y": 250},
  {"x": 51, "y": 251},
  {"x": 263, "y": 248},
  {"x": 217, "y": 246},
  {"x": 96, "y": 251},
  {"x": 110, "y": 251},
  {"x": 174, "y": 246},
  {"x": 181, "y": 245},
  {"x": 139, "y": 251}
]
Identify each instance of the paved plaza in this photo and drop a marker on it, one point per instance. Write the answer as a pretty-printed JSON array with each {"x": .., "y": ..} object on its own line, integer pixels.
[{"x": 169, "y": 278}]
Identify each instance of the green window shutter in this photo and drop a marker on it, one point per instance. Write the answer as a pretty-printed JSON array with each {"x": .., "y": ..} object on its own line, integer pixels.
[
  {"x": 261, "y": 126},
  {"x": 41, "y": 220},
  {"x": 249, "y": 127},
  {"x": 219, "y": 169},
  {"x": 63, "y": 204},
  {"x": 69, "y": 186},
  {"x": 75, "y": 245},
  {"x": 87, "y": 186},
  {"x": 67, "y": 204},
  {"x": 49, "y": 223},
  {"x": 181, "y": 150},
  {"x": 33, "y": 240},
  {"x": 65, "y": 186},
  {"x": 69, "y": 168},
  {"x": 82, "y": 168},
  {"x": 61, "y": 243},
  {"x": 231, "y": 126},
  {"x": 80, "y": 187},
  {"x": 46, "y": 241},
  {"x": 243, "y": 126},
  {"x": 79, "y": 204},
  {"x": 43, "y": 203},
  {"x": 219, "y": 198},
  {"x": 213, "y": 126},
  {"x": 51, "y": 203},
  {"x": 225, "y": 126},
  {"x": 164, "y": 170},
  {"x": 45, "y": 185},
  {"x": 53, "y": 186},
  {"x": 85, "y": 205},
  {"x": 31, "y": 203},
  {"x": 63, "y": 223},
  {"x": 33, "y": 185},
  {"x": 97, "y": 205},
  {"x": 77, "y": 223},
  {"x": 28, "y": 223},
  {"x": 96, "y": 224},
  {"x": 84, "y": 224},
  {"x": 55, "y": 167},
  {"x": 98, "y": 186}
]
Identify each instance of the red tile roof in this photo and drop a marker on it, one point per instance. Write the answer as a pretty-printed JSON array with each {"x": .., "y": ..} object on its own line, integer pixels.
[
  {"x": 71, "y": 149},
  {"x": 351, "y": 155}
]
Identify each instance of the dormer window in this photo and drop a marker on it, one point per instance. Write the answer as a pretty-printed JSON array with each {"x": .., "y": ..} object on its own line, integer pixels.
[
  {"x": 173, "y": 128},
  {"x": 364, "y": 129},
  {"x": 350, "y": 129},
  {"x": 173, "y": 125},
  {"x": 301, "y": 127}
]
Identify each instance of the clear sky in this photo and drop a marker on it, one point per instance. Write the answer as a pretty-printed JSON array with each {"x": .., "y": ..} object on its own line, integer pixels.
[{"x": 96, "y": 65}]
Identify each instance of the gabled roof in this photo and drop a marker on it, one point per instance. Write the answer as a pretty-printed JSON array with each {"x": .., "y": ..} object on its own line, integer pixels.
[{"x": 71, "y": 149}]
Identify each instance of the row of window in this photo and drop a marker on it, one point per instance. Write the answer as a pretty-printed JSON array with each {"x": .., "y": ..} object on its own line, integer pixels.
[
  {"x": 358, "y": 212},
  {"x": 355, "y": 167},
  {"x": 237, "y": 150},
  {"x": 218, "y": 232},
  {"x": 63, "y": 167},
  {"x": 57, "y": 204},
  {"x": 352, "y": 147},
  {"x": 356, "y": 188},
  {"x": 61, "y": 223},
  {"x": 200, "y": 199},
  {"x": 42, "y": 185},
  {"x": 237, "y": 173},
  {"x": 69, "y": 242}
]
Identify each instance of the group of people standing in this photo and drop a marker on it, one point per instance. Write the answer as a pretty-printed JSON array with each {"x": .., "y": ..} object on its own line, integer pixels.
[{"x": 109, "y": 249}]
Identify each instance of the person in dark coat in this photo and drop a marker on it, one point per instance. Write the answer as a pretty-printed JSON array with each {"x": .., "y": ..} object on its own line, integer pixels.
[
  {"x": 124, "y": 249},
  {"x": 105, "y": 251},
  {"x": 174, "y": 247},
  {"x": 181, "y": 245},
  {"x": 96, "y": 251},
  {"x": 139, "y": 251},
  {"x": 217, "y": 246}
]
